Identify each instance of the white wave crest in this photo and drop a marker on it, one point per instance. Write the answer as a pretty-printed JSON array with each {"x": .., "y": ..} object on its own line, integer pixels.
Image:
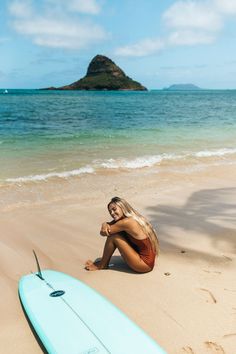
[
  {"x": 219, "y": 152},
  {"x": 44, "y": 177},
  {"x": 125, "y": 163},
  {"x": 139, "y": 162},
  {"x": 149, "y": 161}
]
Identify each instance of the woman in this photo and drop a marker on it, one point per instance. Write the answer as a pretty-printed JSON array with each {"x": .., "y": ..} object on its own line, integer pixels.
[{"x": 132, "y": 234}]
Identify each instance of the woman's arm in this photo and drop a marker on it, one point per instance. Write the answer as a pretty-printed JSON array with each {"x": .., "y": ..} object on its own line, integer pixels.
[
  {"x": 114, "y": 227},
  {"x": 119, "y": 226},
  {"x": 105, "y": 229}
]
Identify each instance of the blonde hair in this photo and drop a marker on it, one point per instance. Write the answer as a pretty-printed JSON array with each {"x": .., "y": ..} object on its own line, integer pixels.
[{"x": 129, "y": 211}]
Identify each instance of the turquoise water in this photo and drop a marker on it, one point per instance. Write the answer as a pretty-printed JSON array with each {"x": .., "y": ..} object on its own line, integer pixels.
[{"x": 62, "y": 133}]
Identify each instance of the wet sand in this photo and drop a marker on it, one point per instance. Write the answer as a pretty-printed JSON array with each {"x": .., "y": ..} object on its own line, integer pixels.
[{"x": 187, "y": 303}]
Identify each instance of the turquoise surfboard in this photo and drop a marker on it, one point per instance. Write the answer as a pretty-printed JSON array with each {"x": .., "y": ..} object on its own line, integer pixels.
[{"x": 69, "y": 317}]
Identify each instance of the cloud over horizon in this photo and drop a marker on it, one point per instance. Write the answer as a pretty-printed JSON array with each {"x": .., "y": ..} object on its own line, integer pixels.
[
  {"x": 56, "y": 23},
  {"x": 142, "y": 48},
  {"x": 186, "y": 23}
]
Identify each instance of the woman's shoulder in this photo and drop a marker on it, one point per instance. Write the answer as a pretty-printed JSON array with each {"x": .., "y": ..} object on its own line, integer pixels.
[
  {"x": 131, "y": 223},
  {"x": 127, "y": 221}
]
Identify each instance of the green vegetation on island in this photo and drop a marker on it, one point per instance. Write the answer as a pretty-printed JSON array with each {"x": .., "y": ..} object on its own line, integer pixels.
[{"x": 103, "y": 74}]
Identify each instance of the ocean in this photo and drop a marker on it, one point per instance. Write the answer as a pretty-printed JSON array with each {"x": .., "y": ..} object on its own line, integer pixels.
[{"x": 62, "y": 134}]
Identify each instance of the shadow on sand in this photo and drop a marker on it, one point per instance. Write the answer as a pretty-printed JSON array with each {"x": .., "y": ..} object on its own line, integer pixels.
[
  {"x": 118, "y": 264},
  {"x": 211, "y": 213},
  {"x": 33, "y": 330}
]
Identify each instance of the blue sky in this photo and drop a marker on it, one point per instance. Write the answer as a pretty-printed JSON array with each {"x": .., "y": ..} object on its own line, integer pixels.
[{"x": 156, "y": 42}]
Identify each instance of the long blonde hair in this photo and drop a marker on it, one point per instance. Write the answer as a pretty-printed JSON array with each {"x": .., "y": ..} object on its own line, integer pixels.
[{"x": 129, "y": 211}]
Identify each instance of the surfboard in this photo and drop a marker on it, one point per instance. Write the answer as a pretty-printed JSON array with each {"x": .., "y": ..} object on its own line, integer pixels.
[{"x": 70, "y": 317}]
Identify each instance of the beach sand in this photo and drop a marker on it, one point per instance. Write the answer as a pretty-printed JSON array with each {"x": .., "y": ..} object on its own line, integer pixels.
[{"x": 187, "y": 303}]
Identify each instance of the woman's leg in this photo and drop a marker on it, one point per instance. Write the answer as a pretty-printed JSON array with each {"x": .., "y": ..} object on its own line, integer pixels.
[{"x": 130, "y": 256}]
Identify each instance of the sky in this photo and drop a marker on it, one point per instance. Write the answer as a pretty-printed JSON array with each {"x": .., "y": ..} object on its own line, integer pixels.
[{"x": 156, "y": 42}]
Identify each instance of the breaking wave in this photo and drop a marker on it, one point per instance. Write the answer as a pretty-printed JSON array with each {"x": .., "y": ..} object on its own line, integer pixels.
[
  {"x": 44, "y": 177},
  {"x": 219, "y": 152},
  {"x": 125, "y": 163}
]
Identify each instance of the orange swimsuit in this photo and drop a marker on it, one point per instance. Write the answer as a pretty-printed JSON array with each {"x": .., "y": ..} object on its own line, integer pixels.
[{"x": 144, "y": 249}]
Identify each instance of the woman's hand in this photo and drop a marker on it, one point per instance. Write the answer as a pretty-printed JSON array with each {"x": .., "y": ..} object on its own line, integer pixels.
[{"x": 105, "y": 229}]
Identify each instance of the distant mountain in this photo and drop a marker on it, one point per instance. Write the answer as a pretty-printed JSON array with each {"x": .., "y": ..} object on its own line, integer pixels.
[
  {"x": 182, "y": 87},
  {"x": 103, "y": 74}
]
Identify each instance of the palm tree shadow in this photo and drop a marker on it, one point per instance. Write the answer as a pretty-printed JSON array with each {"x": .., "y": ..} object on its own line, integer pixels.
[{"x": 210, "y": 213}]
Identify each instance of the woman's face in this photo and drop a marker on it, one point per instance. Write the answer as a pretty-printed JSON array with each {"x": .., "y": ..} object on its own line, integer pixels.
[{"x": 115, "y": 211}]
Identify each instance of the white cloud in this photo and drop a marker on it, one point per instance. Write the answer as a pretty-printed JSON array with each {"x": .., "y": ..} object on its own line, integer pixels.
[
  {"x": 190, "y": 38},
  {"x": 21, "y": 9},
  {"x": 57, "y": 29},
  {"x": 193, "y": 15},
  {"x": 193, "y": 22},
  {"x": 142, "y": 48},
  {"x": 186, "y": 22},
  {"x": 59, "y": 34},
  {"x": 84, "y": 6},
  {"x": 90, "y": 7},
  {"x": 227, "y": 7}
]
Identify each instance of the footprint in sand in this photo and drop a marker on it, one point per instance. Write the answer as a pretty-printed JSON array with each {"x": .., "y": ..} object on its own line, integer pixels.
[
  {"x": 215, "y": 348},
  {"x": 233, "y": 291},
  {"x": 188, "y": 350},
  {"x": 211, "y": 271},
  {"x": 234, "y": 308},
  {"x": 209, "y": 296},
  {"x": 229, "y": 335},
  {"x": 227, "y": 258}
]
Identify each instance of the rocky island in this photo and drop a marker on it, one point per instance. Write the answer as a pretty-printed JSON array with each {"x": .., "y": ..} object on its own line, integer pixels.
[
  {"x": 103, "y": 74},
  {"x": 182, "y": 87}
]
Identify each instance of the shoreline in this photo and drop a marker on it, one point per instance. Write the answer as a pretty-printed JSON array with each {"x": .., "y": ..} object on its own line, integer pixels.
[
  {"x": 186, "y": 303},
  {"x": 111, "y": 181},
  {"x": 178, "y": 160}
]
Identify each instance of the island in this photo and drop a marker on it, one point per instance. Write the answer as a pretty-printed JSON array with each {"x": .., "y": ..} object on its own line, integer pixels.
[
  {"x": 103, "y": 74},
  {"x": 182, "y": 87}
]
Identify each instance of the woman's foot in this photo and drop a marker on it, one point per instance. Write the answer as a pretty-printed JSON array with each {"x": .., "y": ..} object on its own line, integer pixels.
[
  {"x": 90, "y": 265},
  {"x": 89, "y": 262}
]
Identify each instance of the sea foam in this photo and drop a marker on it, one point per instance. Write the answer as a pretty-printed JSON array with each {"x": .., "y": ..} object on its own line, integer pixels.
[
  {"x": 219, "y": 152},
  {"x": 139, "y": 162},
  {"x": 125, "y": 163},
  {"x": 44, "y": 177},
  {"x": 152, "y": 160}
]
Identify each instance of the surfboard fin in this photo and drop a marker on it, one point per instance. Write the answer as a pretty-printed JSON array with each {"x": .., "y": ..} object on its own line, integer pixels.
[{"x": 39, "y": 274}]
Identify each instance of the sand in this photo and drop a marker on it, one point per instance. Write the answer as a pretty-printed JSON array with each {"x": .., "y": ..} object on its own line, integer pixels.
[{"x": 187, "y": 303}]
